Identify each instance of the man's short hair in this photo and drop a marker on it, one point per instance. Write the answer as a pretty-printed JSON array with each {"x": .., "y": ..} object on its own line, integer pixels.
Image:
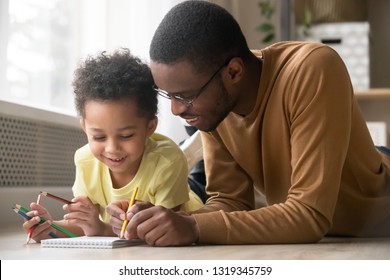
[{"x": 199, "y": 31}]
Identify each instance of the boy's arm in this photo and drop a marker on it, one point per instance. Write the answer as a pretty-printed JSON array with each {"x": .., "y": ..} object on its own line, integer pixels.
[{"x": 65, "y": 224}]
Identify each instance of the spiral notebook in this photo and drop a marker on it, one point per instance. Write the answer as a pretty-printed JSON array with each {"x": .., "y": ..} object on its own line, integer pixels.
[{"x": 89, "y": 242}]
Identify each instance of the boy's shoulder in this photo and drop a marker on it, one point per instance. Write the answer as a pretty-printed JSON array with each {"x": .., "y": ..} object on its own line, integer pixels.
[
  {"x": 161, "y": 140},
  {"x": 161, "y": 145},
  {"x": 83, "y": 154}
]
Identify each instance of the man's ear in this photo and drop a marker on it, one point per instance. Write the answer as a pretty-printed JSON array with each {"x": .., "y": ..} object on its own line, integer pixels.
[
  {"x": 82, "y": 124},
  {"x": 152, "y": 126},
  {"x": 235, "y": 69}
]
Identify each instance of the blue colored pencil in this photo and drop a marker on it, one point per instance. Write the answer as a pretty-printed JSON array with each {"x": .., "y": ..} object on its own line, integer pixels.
[
  {"x": 57, "y": 227},
  {"x": 24, "y": 215}
]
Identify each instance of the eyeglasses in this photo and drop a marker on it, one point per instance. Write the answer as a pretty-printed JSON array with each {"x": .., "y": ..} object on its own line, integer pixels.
[{"x": 190, "y": 99}]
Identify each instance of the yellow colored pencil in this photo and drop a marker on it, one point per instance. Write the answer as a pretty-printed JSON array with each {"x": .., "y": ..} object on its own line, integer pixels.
[{"x": 125, "y": 222}]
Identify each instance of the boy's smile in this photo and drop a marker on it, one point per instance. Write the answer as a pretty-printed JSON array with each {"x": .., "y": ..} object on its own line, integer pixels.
[{"x": 117, "y": 135}]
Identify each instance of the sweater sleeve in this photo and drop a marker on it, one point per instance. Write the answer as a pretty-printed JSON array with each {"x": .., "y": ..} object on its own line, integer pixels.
[{"x": 320, "y": 96}]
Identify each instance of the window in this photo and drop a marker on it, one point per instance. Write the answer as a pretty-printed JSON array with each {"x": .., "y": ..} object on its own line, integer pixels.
[
  {"x": 38, "y": 53},
  {"x": 44, "y": 41},
  {"x": 41, "y": 43}
]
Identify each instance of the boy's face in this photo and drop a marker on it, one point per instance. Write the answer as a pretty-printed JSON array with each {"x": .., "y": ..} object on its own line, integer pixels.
[{"x": 117, "y": 136}]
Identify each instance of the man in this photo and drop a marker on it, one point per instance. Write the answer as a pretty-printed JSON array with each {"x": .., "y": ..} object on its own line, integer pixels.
[{"x": 282, "y": 121}]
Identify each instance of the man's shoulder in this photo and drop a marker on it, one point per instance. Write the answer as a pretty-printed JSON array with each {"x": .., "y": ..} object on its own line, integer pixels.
[
  {"x": 295, "y": 45},
  {"x": 293, "y": 49}
]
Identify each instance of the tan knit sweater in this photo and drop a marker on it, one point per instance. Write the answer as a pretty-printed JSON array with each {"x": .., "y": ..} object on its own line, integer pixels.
[{"x": 306, "y": 148}]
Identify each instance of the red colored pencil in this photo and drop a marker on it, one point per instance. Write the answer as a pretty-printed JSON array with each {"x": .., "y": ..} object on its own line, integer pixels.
[
  {"x": 57, "y": 197},
  {"x": 30, "y": 231}
]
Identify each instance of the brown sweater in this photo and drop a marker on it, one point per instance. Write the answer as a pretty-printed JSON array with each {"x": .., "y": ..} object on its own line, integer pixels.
[{"x": 306, "y": 148}]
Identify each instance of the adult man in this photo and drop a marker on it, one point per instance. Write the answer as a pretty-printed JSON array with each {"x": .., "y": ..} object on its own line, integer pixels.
[{"x": 282, "y": 121}]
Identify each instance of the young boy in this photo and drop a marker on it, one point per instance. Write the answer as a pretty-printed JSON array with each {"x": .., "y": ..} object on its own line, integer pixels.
[{"x": 115, "y": 99}]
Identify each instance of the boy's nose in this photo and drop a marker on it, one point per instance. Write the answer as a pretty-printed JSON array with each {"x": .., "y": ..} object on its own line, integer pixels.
[{"x": 112, "y": 146}]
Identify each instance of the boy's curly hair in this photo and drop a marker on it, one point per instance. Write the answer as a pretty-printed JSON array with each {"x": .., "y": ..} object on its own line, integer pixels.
[{"x": 114, "y": 77}]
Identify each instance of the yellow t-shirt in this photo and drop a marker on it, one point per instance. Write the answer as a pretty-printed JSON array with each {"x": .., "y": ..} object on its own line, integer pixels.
[{"x": 161, "y": 178}]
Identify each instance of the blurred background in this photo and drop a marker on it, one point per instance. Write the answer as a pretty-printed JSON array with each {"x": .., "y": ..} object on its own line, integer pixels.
[{"x": 42, "y": 42}]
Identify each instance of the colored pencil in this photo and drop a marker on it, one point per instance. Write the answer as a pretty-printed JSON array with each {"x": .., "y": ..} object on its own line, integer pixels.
[
  {"x": 30, "y": 231},
  {"x": 131, "y": 203},
  {"x": 56, "y": 197},
  {"x": 57, "y": 227},
  {"x": 24, "y": 215}
]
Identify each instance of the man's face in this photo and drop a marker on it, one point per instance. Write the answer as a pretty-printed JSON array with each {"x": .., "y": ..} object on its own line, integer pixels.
[{"x": 201, "y": 99}]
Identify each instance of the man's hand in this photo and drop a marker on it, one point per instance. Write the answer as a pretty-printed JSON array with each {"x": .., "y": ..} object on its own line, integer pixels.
[
  {"x": 159, "y": 226},
  {"x": 117, "y": 211}
]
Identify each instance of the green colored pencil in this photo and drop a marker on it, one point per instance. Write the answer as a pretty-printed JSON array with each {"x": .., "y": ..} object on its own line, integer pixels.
[{"x": 57, "y": 227}]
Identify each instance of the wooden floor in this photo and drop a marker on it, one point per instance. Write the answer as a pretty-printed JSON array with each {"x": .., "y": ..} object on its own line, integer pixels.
[{"x": 13, "y": 247}]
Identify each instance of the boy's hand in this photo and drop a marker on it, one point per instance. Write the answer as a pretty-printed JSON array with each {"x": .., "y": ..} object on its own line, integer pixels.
[
  {"x": 41, "y": 231},
  {"x": 85, "y": 215}
]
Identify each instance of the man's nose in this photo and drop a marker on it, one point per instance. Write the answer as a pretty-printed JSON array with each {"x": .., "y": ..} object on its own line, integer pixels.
[{"x": 178, "y": 107}]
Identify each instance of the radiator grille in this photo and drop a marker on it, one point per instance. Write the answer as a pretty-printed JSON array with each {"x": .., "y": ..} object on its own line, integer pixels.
[{"x": 36, "y": 153}]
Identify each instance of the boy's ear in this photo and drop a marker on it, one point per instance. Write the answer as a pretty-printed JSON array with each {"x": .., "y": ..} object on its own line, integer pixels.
[
  {"x": 152, "y": 125},
  {"x": 82, "y": 124}
]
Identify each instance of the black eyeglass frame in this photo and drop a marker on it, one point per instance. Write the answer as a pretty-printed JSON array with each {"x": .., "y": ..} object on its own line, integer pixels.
[{"x": 189, "y": 100}]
